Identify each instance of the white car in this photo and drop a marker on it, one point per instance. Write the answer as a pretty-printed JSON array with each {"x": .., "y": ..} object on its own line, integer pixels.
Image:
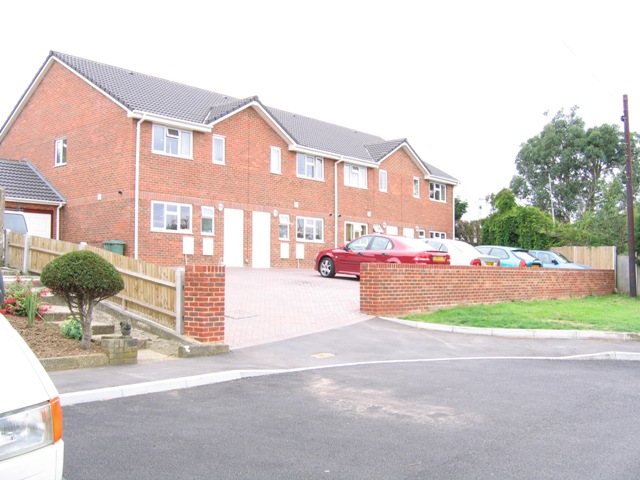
[
  {"x": 31, "y": 445},
  {"x": 463, "y": 253}
]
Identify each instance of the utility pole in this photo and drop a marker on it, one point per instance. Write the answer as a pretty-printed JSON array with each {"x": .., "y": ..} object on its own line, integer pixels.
[{"x": 630, "y": 220}]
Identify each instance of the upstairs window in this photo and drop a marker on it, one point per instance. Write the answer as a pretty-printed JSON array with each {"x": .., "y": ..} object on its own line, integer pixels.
[
  {"x": 276, "y": 160},
  {"x": 355, "y": 176},
  {"x": 60, "y": 154},
  {"x": 438, "y": 192},
  {"x": 310, "y": 167},
  {"x": 171, "y": 141},
  {"x": 416, "y": 187},
  {"x": 382, "y": 180},
  {"x": 219, "y": 149},
  {"x": 170, "y": 217}
]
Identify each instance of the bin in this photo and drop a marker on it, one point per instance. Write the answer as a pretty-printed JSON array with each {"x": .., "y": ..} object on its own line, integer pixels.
[{"x": 115, "y": 246}]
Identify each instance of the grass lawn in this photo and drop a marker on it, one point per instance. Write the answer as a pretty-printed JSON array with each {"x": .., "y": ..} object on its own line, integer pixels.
[{"x": 615, "y": 313}]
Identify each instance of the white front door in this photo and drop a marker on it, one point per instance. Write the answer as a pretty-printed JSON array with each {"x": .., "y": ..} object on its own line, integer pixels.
[
  {"x": 233, "y": 237},
  {"x": 261, "y": 241}
]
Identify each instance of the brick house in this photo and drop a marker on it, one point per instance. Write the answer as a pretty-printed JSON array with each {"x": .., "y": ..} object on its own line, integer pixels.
[{"x": 185, "y": 175}]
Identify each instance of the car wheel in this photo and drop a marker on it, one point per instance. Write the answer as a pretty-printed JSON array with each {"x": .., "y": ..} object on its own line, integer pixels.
[{"x": 327, "y": 268}]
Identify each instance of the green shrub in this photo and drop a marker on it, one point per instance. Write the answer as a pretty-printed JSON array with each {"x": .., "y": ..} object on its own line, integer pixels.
[
  {"x": 71, "y": 328},
  {"x": 83, "y": 279}
]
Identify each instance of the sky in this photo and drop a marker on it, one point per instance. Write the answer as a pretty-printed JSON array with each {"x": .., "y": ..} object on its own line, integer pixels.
[{"x": 465, "y": 82}]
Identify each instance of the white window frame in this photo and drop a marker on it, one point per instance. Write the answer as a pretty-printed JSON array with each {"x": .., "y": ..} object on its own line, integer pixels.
[
  {"x": 222, "y": 142},
  {"x": 308, "y": 166},
  {"x": 170, "y": 209},
  {"x": 317, "y": 229},
  {"x": 353, "y": 230},
  {"x": 438, "y": 192},
  {"x": 60, "y": 152},
  {"x": 276, "y": 160},
  {"x": 284, "y": 227},
  {"x": 207, "y": 212},
  {"x": 422, "y": 233},
  {"x": 383, "y": 180},
  {"x": 163, "y": 133},
  {"x": 435, "y": 234},
  {"x": 416, "y": 187},
  {"x": 355, "y": 176}
]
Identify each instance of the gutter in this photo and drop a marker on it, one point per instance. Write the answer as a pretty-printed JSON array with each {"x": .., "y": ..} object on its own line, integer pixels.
[
  {"x": 335, "y": 203},
  {"x": 136, "y": 189}
]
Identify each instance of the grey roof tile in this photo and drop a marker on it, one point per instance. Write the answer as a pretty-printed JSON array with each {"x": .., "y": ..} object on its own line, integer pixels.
[
  {"x": 22, "y": 181},
  {"x": 137, "y": 91}
]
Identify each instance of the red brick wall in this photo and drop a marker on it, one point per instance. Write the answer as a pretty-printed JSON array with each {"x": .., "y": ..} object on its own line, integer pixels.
[
  {"x": 402, "y": 289},
  {"x": 204, "y": 288},
  {"x": 98, "y": 180}
]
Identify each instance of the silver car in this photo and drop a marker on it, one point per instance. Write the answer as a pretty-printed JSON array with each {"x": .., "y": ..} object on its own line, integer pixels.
[{"x": 463, "y": 253}]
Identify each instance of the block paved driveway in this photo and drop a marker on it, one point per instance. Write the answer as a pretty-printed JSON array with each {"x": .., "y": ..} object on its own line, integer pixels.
[{"x": 267, "y": 305}]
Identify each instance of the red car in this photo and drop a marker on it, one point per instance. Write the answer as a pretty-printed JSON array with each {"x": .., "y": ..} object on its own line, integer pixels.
[{"x": 376, "y": 248}]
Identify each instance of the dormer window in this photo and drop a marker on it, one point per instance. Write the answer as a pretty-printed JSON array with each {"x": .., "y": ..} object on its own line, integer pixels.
[
  {"x": 355, "y": 176},
  {"x": 171, "y": 141}
]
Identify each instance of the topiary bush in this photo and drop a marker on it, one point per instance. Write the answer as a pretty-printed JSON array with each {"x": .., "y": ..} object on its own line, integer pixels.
[{"x": 83, "y": 279}]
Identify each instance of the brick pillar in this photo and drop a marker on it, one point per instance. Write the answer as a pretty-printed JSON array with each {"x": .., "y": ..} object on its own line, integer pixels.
[{"x": 204, "y": 287}]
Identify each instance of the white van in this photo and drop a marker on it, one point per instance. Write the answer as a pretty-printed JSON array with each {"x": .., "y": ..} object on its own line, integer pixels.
[
  {"x": 16, "y": 222},
  {"x": 31, "y": 445}
]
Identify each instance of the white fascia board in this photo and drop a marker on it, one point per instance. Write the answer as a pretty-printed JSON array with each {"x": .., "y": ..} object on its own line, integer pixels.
[
  {"x": 331, "y": 156},
  {"x": 34, "y": 202},
  {"x": 264, "y": 115},
  {"x": 169, "y": 122},
  {"x": 412, "y": 155},
  {"x": 436, "y": 178}
]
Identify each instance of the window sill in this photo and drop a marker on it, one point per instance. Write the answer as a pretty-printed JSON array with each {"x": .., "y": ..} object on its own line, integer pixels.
[{"x": 164, "y": 154}]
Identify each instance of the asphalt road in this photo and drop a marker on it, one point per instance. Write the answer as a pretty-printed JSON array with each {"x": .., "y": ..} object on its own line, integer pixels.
[{"x": 432, "y": 419}]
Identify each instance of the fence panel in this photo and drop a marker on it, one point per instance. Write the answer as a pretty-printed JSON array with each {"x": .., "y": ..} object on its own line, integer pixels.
[
  {"x": 150, "y": 290},
  {"x": 603, "y": 258},
  {"x": 15, "y": 250}
]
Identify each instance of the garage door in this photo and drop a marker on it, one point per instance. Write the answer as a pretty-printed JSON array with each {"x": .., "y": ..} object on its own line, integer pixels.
[{"x": 39, "y": 224}]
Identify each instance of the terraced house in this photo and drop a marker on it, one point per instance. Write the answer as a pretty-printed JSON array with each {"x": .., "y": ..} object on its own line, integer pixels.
[{"x": 181, "y": 174}]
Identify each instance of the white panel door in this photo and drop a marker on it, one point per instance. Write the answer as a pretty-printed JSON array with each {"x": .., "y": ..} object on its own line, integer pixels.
[
  {"x": 233, "y": 237},
  {"x": 261, "y": 242}
]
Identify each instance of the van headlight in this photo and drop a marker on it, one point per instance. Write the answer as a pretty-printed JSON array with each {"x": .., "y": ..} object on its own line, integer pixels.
[{"x": 22, "y": 431}]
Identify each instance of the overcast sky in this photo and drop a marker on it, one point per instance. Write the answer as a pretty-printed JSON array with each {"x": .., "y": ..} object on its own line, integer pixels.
[{"x": 466, "y": 82}]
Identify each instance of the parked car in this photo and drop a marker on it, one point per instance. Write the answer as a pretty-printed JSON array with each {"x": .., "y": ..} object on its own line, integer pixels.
[
  {"x": 31, "y": 445},
  {"x": 376, "y": 248},
  {"x": 511, "y": 256},
  {"x": 463, "y": 253},
  {"x": 555, "y": 260}
]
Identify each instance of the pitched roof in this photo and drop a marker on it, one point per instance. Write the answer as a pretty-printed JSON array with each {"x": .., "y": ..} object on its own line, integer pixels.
[
  {"x": 23, "y": 182},
  {"x": 144, "y": 93}
]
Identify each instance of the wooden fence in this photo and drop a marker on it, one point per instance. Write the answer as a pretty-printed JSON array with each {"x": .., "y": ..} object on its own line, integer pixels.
[
  {"x": 602, "y": 258},
  {"x": 150, "y": 290}
]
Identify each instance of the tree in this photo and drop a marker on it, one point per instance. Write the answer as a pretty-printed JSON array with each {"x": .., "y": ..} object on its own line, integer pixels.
[
  {"x": 83, "y": 279},
  {"x": 461, "y": 207},
  {"x": 516, "y": 226},
  {"x": 567, "y": 165}
]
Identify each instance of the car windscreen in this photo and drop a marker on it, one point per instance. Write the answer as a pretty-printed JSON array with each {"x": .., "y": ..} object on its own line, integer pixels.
[{"x": 15, "y": 222}]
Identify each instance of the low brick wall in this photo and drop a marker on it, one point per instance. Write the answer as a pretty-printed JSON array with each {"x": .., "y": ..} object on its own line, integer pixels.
[
  {"x": 391, "y": 290},
  {"x": 204, "y": 289}
]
